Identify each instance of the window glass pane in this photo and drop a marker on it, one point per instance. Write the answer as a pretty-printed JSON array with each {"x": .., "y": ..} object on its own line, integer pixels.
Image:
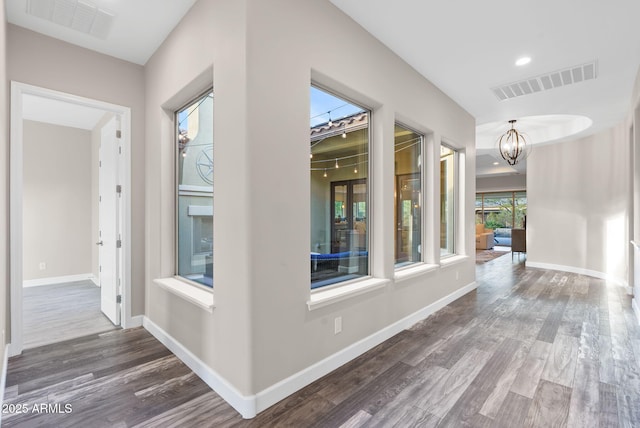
[
  {"x": 498, "y": 208},
  {"x": 339, "y": 160},
  {"x": 408, "y": 196},
  {"x": 447, "y": 201},
  {"x": 520, "y": 204},
  {"x": 479, "y": 213},
  {"x": 195, "y": 191},
  {"x": 503, "y": 211}
]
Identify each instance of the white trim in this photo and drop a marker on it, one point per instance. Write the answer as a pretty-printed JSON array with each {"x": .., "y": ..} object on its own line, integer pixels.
[
  {"x": 246, "y": 406},
  {"x": 126, "y": 250},
  {"x": 133, "y": 322},
  {"x": 250, "y": 406},
  {"x": 59, "y": 280},
  {"x": 16, "y": 194},
  {"x": 324, "y": 297},
  {"x": 191, "y": 293},
  {"x": 580, "y": 271},
  {"x": 453, "y": 259},
  {"x": 15, "y": 218},
  {"x": 636, "y": 308},
  {"x": 297, "y": 381},
  {"x": 410, "y": 272}
]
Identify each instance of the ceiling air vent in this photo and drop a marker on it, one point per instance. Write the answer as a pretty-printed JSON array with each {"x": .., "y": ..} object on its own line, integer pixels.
[
  {"x": 568, "y": 76},
  {"x": 80, "y": 15}
]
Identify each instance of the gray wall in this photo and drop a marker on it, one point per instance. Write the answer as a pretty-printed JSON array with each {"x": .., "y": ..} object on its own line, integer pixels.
[
  {"x": 57, "y": 198},
  {"x": 578, "y": 204},
  {"x": 502, "y": 183},
  {"x": 261, "y": 64},
  {"x": 49, "y": 63}
]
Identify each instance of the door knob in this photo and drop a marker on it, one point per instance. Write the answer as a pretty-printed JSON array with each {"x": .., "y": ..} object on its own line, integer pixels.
[{"x": 99, "y": 243}]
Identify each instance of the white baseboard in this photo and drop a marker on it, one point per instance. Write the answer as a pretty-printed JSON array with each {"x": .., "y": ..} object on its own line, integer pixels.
[
  {"x": 636, "y": 308},
  {"x": 59, "y": 280},
  {"x": 135, "y": 321},
  {"x": 243, "y": 404},
  {"x": 594, "y": 273},
  {"x": 3, "y": 376},
  {"x": 249, "y": 406},
  {"x": 297, "y": 381}
]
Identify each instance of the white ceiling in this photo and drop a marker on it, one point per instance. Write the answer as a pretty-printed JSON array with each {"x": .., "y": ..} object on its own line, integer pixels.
[
  {"x": 464, "y": 48},
  {"x": 468, "y": 47},
  {"x": 138, "y": 29},
  {"x": 139, "y": 26},
  {"x": 41, "y": 109}
]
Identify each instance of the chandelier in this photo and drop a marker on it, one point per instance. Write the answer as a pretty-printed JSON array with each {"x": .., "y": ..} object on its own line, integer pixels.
[{"x": 513, "y": 146}]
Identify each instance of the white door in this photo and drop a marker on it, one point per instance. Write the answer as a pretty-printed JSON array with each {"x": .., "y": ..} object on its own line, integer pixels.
[{"x": 108, "y": 221}]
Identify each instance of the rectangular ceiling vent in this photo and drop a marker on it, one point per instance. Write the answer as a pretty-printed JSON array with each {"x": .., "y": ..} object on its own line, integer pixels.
[
  {"x": 80, "y": 15},
  {"x": 568, "y": 76}
]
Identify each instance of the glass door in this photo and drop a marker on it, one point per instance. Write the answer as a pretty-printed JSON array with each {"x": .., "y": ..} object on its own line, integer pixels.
[
  {"x": 341, "y": 219},
  {"x": 408, "y": 218},
  {"x": 349, "y": 226}
]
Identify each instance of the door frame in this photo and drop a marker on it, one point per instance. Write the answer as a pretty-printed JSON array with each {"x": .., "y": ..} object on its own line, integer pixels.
[
  {"x": 348, "y": 208},
  {"x": 109, "y": 152},
  {"x": 19, "y": 89}
]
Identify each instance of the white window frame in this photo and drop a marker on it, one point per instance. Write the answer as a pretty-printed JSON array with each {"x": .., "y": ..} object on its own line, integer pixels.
[
  {"x": 423, "y": 200},
  {"x": 343, "y": 290},
  {"x": 178, "y": 188},
  {"x": 457, "y": 199}
]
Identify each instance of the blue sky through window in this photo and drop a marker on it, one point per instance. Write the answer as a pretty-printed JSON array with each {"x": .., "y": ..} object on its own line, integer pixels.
[{"x": 324, "y": 105}]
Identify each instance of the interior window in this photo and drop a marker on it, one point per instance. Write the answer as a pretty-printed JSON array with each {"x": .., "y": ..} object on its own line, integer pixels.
[
  {"x": 194, "y": 202},
  {"x": 408, "y": 196},
  {"x": 447, "y": 201},
  {"x": 339, "y": 166}
]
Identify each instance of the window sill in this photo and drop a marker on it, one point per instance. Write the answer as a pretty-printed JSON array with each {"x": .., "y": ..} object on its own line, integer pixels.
[
  {"x": 199, "y": 297},
  {"x": 413, "y": 271},
  {"x": 322, "y": 298},
  {"x": 453, "y": 260}
]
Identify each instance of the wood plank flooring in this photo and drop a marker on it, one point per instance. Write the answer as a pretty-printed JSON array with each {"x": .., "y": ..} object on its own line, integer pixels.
[
  {"x": 528, "y": 348},
  {"x": 58, "y": 312}
]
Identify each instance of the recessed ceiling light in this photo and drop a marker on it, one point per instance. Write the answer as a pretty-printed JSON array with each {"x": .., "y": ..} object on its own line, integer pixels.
[
  {"x": 496, "y": 163},
  {"x": 523, "y": 61}
]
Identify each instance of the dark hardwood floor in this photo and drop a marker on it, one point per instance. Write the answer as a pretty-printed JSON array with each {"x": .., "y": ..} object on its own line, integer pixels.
[{"x": 528, "y": 348}]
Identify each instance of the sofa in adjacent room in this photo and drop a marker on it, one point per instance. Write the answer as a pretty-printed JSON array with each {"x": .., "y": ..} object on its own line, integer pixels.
[{"x": 484, "y": 237}]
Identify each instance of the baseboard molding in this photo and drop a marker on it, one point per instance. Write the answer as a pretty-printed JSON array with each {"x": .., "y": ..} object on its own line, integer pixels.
[
  {"x": 243, "y": 404},
  {"x": 636, "y": 308},
  {"x": 297, "y": 381},
  {"x": 250, "y": 406},
  {"x": 59, "y": 280},
  {"x": 594, "y": 273},
  {"x": 135, "y": 321}
]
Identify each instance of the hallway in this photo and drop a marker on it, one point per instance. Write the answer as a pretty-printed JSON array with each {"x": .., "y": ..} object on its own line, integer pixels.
[
  {"x": 529, "y": 347},
  {"x": 59, "y": 312}
]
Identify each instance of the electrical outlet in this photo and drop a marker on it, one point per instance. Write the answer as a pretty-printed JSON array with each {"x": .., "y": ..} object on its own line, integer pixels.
[
  {"x": 42, "y": 266},
  {"x": 337, "y": 324},
  {"x": 457, "y": 275}
]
